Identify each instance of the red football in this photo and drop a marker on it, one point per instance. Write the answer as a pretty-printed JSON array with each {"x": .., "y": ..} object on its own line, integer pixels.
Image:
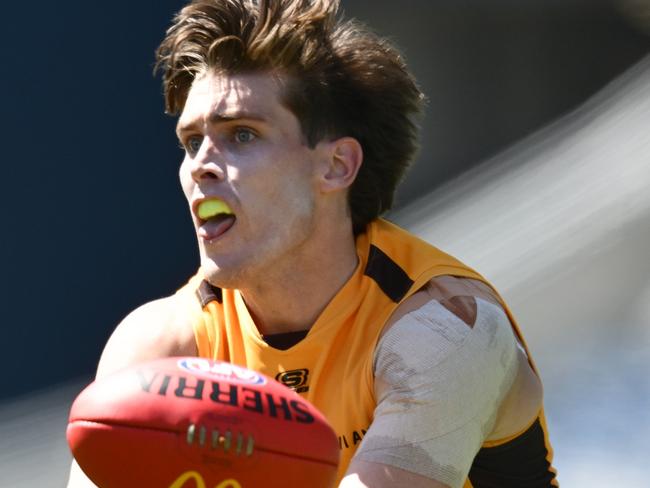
[{"x": 192, "y": 422}]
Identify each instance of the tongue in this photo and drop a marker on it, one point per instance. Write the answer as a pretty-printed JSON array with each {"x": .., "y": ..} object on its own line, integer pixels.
[{"x": 214, "y": 227}]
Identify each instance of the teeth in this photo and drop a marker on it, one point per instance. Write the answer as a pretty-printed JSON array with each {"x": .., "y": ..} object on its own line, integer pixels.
[{"x": 209, "y": 208}]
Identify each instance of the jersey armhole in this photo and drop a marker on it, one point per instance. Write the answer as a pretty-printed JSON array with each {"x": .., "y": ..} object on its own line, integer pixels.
[
  {"x": 202, "y": 336},
  {"x": 189, "y": 303}
]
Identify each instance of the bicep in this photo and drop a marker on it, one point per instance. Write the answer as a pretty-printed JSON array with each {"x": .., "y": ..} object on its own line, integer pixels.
[
  {"x": 439, "y": 383},
  {"x": 154, "y": 330}
]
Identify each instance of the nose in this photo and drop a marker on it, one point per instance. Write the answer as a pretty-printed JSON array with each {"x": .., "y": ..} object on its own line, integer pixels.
[{"x": 207, "y": 163}]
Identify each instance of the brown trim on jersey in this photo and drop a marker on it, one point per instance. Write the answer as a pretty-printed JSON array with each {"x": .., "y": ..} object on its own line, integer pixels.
[
  {"x": 392, "y": 279},
  {"x": 207, "y": 293},
  {"x": 519, "y": 462}
]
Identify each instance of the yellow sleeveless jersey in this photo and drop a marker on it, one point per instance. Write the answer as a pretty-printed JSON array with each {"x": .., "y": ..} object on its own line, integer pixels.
[{"x": 332, "y": 366}]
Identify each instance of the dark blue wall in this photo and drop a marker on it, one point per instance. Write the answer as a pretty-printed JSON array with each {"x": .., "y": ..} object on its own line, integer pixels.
[{"x": 93, "y": 221}]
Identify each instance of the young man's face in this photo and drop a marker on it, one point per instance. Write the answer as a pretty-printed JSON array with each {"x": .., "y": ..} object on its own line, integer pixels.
[{"x": 244, "y": 148}]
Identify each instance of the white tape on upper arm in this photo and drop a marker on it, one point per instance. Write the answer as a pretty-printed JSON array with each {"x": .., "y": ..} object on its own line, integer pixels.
[{"x": 438, "y": 384}]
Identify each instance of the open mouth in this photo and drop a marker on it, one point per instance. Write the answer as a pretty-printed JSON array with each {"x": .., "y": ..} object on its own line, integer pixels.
[{"x": 215, "y": 218}]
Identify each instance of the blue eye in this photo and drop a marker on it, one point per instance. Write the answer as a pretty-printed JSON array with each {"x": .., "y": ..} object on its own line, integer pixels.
[
  {"x": 193, "y": 144},
  {"x": 244, "y": 135}
]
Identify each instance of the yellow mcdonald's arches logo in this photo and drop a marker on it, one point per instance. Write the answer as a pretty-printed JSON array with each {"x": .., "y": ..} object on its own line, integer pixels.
[{"x": 200, "y": 482}]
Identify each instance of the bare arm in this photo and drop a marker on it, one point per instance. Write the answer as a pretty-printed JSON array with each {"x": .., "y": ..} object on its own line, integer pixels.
[{"x": 156, "y": 329}]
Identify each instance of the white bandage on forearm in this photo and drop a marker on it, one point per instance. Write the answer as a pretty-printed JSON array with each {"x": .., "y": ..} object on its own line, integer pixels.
[{"x": 439, "y": 384}]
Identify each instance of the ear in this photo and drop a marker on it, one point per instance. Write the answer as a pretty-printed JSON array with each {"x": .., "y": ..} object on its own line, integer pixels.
[{"x": 344, "y": 158}]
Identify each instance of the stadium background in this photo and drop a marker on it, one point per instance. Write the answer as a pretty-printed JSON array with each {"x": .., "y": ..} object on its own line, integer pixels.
[{"x": 534, "y": 167}]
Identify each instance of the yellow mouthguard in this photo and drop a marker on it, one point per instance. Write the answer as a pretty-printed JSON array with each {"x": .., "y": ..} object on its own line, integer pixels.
[{"x": 209, "y": 208}]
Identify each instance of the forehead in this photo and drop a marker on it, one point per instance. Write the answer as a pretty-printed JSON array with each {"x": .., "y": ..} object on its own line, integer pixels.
[{"x": 234, "y": 95}]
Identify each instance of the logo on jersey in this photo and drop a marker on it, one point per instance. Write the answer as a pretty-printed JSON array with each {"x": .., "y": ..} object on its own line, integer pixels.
[
  {"x": 220, "y": 370},
  {"x": 296, "y": 379}
]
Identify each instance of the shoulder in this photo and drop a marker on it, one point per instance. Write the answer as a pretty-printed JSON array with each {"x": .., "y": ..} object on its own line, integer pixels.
[
  {"x": 450, "y": 306},
  {"x": 456, "y": 294},
  {"x": 159, "y": 328},
  {"x": 441, "y": 371},
  {"x": 454, "y": 333},
  {"x": 452, "y": 326}
]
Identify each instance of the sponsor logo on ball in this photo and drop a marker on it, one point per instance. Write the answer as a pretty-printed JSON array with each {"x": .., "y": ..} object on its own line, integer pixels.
[
  {"x": 221, "y": 370},
  {"x": 195, "y": 479}
]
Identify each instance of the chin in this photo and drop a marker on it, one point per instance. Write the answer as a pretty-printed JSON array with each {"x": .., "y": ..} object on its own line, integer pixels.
[{"x": 222, "y": 275}]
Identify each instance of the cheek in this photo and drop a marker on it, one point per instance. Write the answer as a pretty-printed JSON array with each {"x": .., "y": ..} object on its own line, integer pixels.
[{"x": 185, "y": 179}]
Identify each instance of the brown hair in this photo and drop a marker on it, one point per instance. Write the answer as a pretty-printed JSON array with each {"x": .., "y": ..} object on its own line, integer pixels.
[{"x": 342, "y": 80}]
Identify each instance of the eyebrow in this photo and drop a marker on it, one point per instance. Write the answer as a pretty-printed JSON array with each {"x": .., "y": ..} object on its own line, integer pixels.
[{"x": 221, "y": 118}]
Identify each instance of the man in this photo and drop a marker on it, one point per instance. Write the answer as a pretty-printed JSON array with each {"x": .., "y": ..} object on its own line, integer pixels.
[{"x": 296, "y": 128}]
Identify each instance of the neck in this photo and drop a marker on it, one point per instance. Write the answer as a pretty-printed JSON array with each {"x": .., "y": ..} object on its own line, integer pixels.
[{"x": 292, "y": 296}]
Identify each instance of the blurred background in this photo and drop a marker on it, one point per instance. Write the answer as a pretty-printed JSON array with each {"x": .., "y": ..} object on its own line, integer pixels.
[{"x": 534, "y": 168}]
